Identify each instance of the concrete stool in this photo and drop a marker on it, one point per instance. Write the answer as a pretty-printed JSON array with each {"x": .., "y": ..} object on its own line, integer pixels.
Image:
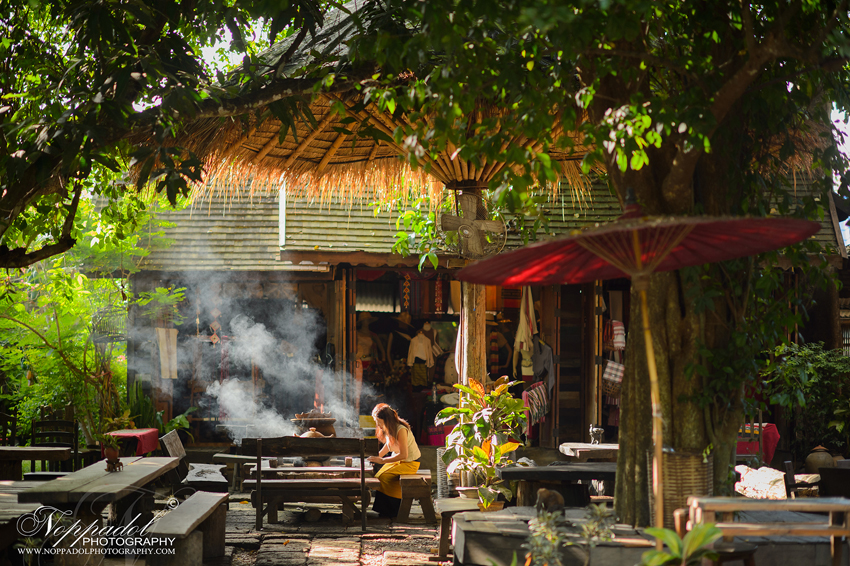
[{"x": 416, "y": 486}]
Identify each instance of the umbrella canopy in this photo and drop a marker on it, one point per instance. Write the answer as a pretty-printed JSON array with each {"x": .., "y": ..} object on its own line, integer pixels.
[{"x": 665, "y": 244}]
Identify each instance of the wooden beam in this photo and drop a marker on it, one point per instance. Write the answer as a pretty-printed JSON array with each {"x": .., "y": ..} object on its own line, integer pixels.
[
  {"x": 331, "y": 152},
  {"x": 369, "y": 259},
  {"x": 305, "y": 143},
  {"x": 379, "y": 123},
  {"x": 233, "y": 148}
]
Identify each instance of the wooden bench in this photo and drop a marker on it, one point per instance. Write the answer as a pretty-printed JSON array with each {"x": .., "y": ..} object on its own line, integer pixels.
[
  {"x": 198, "y": 526},
  {"x": 271, "y": 492},
  {"x": 416, "y": 486},
  {"x": 707, "y": 510}
]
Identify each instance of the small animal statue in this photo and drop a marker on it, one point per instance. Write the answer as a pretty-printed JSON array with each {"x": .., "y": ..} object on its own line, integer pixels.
[
  {"x": 596, "y": 434},
  {"x": 114, "y": 466},
  {"x": 548, "y": 500}
]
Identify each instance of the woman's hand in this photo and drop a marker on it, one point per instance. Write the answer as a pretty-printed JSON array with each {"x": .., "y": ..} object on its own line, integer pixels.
[{"x": 375, "y": 459}]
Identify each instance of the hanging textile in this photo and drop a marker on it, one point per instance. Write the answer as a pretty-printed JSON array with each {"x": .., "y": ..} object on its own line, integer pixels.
[
  {"x": 618, "y": 337},
  {"x": 536, "y": 401},
  {"x": 543, "y": 363},
  {"x": 167, "y": 339}
]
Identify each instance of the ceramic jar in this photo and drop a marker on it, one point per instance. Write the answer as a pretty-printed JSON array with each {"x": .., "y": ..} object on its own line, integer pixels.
[{"x": 819, "y": 457}]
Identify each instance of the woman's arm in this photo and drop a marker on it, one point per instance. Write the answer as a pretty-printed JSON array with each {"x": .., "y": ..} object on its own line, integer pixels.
[{"x": 401, "y": 440}]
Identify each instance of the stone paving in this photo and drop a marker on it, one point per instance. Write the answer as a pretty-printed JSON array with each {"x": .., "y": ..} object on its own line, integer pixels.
[{"x": 328, "y": 541}]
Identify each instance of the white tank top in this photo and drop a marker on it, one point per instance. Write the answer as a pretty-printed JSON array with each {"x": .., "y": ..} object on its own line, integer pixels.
[{"x": 413, "y": 452}]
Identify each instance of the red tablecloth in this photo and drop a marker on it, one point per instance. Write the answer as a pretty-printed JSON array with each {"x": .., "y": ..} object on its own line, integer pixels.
[
  {"x": 769, "y": 441},
  {"x": 148, "y": 438}
]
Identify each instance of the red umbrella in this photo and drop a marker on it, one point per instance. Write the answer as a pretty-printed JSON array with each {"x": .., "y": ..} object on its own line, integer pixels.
[{"x": 636, "y": 246}]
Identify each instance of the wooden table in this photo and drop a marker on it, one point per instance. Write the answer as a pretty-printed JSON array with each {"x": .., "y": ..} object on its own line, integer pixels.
[
  {"x": 11, "y": 510},
  {"x": 583, "y": 451},
  {"x": 86, "y": 493},
  {"x": 12, "y": 456},
  {"x": 95, "y": 484},
  {"x": 707, "y": 509},
  {"x": 531, "y": 478}
]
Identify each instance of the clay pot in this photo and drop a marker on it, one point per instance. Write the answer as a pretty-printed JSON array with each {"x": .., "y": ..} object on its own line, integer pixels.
[
  {"x": 819, "y": 457},
  {"x": 313, "y": 433},
  {"x": 111, "y": 453}
]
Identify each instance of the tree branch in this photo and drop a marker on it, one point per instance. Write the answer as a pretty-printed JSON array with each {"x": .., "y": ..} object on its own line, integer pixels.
[{"x": 749, "y": 33}]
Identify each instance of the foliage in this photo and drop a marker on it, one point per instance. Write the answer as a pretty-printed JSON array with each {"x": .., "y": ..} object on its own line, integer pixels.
[
  {"x": 161, "y": 304},
  {"x": 142, "y": 408},
  {"x": 108, "y": 441},
  {"x": 683, "y": 552},
  {"x": 545, "y": 540},
  {"x": 811, "y": 382},
  {"x": 48, "y": 354},
  {"x": 419, "y": 228},
  {"x": 77, "y": 79},
  {"x": 120, "y": 422},
  {"x": 483, "y": 438},
  {"x": 148, "y": 417},
  {"x": 548, "y": 534}
]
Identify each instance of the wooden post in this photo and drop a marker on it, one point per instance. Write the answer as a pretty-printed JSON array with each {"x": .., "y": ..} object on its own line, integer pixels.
[
  {"x": 473, "y": 360},
  {"x": 259, "y": 490},
  {"x": 474, "y": 331},
  {"x": 363, "y": 492}
]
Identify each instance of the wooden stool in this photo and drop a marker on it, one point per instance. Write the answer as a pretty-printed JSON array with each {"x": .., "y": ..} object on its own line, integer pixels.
[
  {"x": 731, "y": 551},
  {"x": 416, "y": 486}
]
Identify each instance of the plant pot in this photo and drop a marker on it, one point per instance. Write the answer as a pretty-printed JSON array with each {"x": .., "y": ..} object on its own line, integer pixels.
[
  {"x": 467, "y": 492},
  {"x": 495, "y": 506},
  {"x": 110, "y": 453}
]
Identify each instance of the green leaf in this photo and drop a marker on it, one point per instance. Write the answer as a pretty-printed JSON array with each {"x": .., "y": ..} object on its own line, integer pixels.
[{"x": 669, "y": 538}]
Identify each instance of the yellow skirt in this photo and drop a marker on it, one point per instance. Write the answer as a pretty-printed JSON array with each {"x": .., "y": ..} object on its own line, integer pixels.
[{"x": 388, "y": 474}]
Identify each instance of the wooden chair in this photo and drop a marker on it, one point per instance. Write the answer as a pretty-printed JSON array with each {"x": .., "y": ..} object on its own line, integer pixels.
[
  {"x": 791, "y": 484},
  {"x": 172, "y": 446},
  {"x": 751, "y": 431},
  {"x": 185, "y": 481},
  {"x": 8, "y": 430},
  {"x": 59, "y": 433}
]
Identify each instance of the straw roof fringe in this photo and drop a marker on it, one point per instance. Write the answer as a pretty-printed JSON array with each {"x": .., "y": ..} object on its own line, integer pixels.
[{"x": 332, "y": 157}]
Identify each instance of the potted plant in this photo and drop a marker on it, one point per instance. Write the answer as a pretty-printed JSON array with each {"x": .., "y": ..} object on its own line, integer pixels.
[
  {"x": 484, "y": 436},
  {"x": 110, "y": 451}
]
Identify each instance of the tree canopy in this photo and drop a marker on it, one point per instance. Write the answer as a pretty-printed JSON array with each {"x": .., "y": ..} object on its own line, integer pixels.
[{"x": 78, "y": 78}]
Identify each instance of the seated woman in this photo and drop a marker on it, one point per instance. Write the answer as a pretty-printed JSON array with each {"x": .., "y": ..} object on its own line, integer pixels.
[{"x": 398, "y": 439}]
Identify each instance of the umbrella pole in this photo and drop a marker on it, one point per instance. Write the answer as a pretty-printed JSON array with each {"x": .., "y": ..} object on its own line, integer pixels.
[{"x": 642, "y": 283}]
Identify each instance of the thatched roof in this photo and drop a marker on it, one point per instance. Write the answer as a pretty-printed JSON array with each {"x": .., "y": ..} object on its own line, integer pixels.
[{"x": 332, "y": 154}]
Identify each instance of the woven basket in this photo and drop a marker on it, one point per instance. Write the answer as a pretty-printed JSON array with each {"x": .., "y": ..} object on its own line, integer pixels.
[
  {"x": 611, "y": 388},
  {"x": 442, "y": 476},
  {"x": 684, "y": 474}
]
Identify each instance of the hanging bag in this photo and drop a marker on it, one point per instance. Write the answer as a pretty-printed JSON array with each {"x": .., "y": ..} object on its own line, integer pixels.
[{"x": 612, "y": 376}]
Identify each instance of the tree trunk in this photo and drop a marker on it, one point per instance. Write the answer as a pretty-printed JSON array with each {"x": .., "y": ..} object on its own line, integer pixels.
[{"x": 675, "y": 328}]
